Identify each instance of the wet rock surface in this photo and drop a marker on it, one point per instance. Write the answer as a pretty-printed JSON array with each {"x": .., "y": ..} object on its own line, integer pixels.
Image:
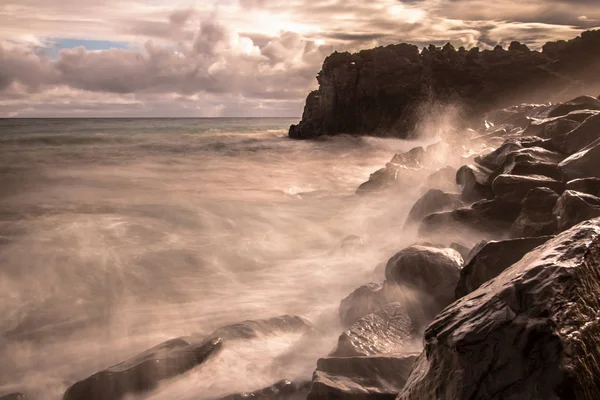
[
  {"x": 536, "y": 217},
  {"x": 282, "y": 390},
  {"x": 490, "y": 259},
  {"x": 430, "y": 273},
  {"x": 574, "y": 207},
  {"x": 174, "y": 357},
  {"x": 143, "y": 372},
  {"x": 531, "y": 332},
  {"x": 14, "y": 396},
  {"x": 386, "y": 331},
  {"x": 513, "y": 188},
  {"x": 433, "y": 201},
  {"x": 585, "y": 185},
  {"x": 583, "y": 164},
  {"x": 361, "y": 378},
  {"x": 364, "y": 300}
]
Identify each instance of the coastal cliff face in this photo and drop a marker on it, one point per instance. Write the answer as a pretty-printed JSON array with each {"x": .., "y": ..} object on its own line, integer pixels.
[{"x": 382, "y": 91}]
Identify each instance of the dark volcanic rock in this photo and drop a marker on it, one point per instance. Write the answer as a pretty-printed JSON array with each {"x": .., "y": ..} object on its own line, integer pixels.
[
  {"x": 282, "y": 390},
  {"x": 574, "y": 207},
  {"x": 443, "y": 179},
  {"x": 172, "y": 358},
  {"x": 433, "y": 201},
  {"x": 513, "y": 188},
  {"x": 486, "y": 219},
  {"x": 431, "y": 273},
  {"x": 530, "y": 333},
  {"x": 364, "y": 300},
  {"x": 475, "y": 182},
  {"x": 536, "y": 217},
  {"x": 583, "y": 164},
  {"x": 384, "y": 90},
  {"x": 144, "y": 372},
  {"x": 21, "y": 396},
  {"x": 585, "y": 185},
  {"x": 580, "y": 137},
  {"x": 361, "y": 378},
  {"x": 389, "y": 330},
  {"x": 492, "y": 259}
]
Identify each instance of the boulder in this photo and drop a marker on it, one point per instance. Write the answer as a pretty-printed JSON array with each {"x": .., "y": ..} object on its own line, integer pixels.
[
  {"x": 442, "y": 179},
  {"x": 486, "y": 219},
  {"x": 530, "y": 333},
  {"x": 585, "y": 185},
  {"x": 364, "y": 300},
  {"x": 282, "y": 390},
  {"x": 144, "y": 371},
  {"x": 431, "y": 202},
  {"x": 513, "y": 188},
  {"x": 536, "y": 217},
  {"x": 551, "y": 127},
  {"x": 371, "y": 377},
  {"x": 551, "y": 170},
  {"x": 430, "y": 274},
  {"x": 21, "y": 396},
  {"x": 491, "y": 259},
  {"x": 172, "y": 358},
  {"x": 574, "y": 207},
  {"x": 583, "y": 164},
  {"x": 475, "y": 182},
  {"x": 580, "y": 137},
  {"x": 578, "y": 103},
  {"x": 414, "y": 158},
  {"x": 389, "y": 330},
  {"x": 497, "y": 158}
]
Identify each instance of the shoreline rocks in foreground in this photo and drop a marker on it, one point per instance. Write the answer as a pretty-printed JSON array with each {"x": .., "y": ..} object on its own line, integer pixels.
[{"x": 533, "y": 332}]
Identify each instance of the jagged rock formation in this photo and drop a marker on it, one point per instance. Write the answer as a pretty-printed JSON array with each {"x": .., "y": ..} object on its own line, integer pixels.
[
  {"x": 381, "y": 91},
  {"x": 531, "y": 333}
]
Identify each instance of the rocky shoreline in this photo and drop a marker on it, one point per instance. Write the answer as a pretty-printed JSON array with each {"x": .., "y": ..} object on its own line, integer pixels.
[{"x": 503, "y": 290}]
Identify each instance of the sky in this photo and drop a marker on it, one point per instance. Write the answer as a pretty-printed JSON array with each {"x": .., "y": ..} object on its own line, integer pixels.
[{"x": 246, "y": 58}]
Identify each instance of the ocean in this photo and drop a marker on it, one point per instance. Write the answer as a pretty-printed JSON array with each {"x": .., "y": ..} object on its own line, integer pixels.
[{"x": 118, "y": 234}]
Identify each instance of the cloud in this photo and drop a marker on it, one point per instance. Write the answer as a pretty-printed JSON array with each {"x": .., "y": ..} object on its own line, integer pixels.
[{"x": 241, "y": 53}]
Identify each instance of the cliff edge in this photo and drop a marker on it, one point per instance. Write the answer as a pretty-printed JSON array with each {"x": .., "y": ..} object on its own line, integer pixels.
[{"x": 382, "y": 91}]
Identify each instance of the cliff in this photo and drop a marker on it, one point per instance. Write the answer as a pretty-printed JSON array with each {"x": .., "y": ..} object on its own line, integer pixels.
[{"x": 382, "y": 91}]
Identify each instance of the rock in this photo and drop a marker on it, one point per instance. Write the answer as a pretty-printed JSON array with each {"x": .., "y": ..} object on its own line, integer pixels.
[
  {"x": 431, "y": 273},
  {"x": 530, "y": 333},
  {"x": 497, "y": 158},
  {"x": 282, "y": 390},
  {"x": 433, "y": 201},
  {"x": 143, "y": 372},
  {"x": 383, "y": 91},
  {"x": 549, "y": 170},
  {"x": 486, "y": 219},
  {"x": 579, "y": 103},
  {"x": 475, "y": 182},
  {"x": 492, "y": 259},
  {"x": 21, "y": 396},
  {"x": 462, "y": 250},
  {"x": 583, "y": 164},
  {"x": 443, "y": 179},
  {"x": 364, "y": 300},
  {"x": 172, "y": 358},
  {"x": 414, "y": 158},
  {"x": 580, "y": 137},
  {"x": 536, "y": 217},
  {"x": 389, "y": 330},
  {"x": 585, "y": 185},
  {"x": 513, "y": 188},
  {"x": 372, "y": 377},
  {"x": 574, "y": 207},
  {"x": 551, "y": 127}
]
